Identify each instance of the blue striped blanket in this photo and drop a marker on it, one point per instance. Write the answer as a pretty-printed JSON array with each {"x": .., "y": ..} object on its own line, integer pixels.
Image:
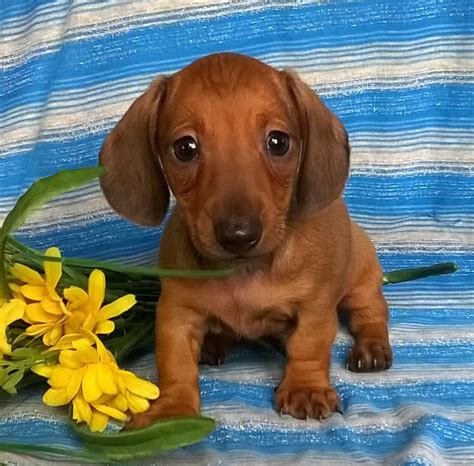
[{"x": 399, "y": 74}]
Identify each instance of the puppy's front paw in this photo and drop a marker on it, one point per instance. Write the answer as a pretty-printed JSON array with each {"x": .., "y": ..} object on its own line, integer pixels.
[
  {"x": 160, "y": 409},
  {"x": 307, "y": 402},
  {"x": 370, "y": 355}
]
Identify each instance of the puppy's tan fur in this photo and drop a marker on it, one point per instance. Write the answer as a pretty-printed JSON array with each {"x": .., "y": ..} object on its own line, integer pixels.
[{"x": 311, "y": 259}]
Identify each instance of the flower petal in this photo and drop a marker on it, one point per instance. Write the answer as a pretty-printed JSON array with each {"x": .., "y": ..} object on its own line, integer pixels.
[
  {"x": 88, "y": 354},
  {"x": 16, "y": 291},
  {"x": 105, "y": 356},
  {"x": 67, "y": 341},
  {"x": 63, "y": 307},
  {"x": 74, "y": 383},
  {"x": 111, "y": 412},
  {"x": 106, "y": 380},
  {"x": 84, "y": 342},
  {"x": 90, "y": 321},
  {"x": 43, "y": 370},
  {"x": 98, "y": 421},
  {"x": 105, "y": 327},
  {"x": 52, "y": 337},
  {"x": 76, "y": 296},
  {"x": 60, "y": 377},
  {"x": 63, "y": 343},
  {"x": 136, "y": 404},
  {"x": 52, "y": 269},
  {"x": 83, "y": 411},
  {"x": 25, "y": 274},
  {"x": 38, "y": 329},
  {"x": 34, "y": 292},
  {"x": 117, "y": 307},
  {"x": 119, "y": 402},
  {"x": 52, "y": 307},
  {"x": 55, "y": 397},
  {"x": 73, "y": 324},
  {"x": 14, "y": 310},
  {"x": 32, "y": 308},
  {"x": 5, "y": 347},
  {"x": 96, "y": 289},
  {"x": 76, "y": 412},
  {"x": 36, "y": 313},
  {"x": 122, "y": 386},
  {"x": 71, "y": 359},
  {"x": 103, "y": 400},
  {"x": 90, "y": 384},
  {"x": 140, "y": 387}
]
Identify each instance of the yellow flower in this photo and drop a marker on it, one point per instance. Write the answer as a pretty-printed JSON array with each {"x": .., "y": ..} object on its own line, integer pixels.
[
  {"x": 35, "y": 287},
  {"x": 48, "y": 314},
  {"x": 46, "y": 311},
  {"x": 9, "y": 312},
  {"x": 16, "y": 292},
  {"x": 90, "y": 378},
  {"x": 86, "y": 311}
]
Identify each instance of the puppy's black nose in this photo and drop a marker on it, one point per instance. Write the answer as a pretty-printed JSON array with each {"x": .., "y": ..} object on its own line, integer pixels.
[{"x": 238, "y": 234}]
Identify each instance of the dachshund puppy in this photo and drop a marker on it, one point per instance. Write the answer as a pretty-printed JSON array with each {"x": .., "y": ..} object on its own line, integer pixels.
[{"x": 257, "y": 164}]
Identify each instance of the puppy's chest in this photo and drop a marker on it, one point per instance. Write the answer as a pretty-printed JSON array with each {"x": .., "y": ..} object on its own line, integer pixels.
[{"x": 252, "y": 306}]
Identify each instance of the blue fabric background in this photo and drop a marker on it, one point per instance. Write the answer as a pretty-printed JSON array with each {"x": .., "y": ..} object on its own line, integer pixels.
[{"x": 400, "y": 75}]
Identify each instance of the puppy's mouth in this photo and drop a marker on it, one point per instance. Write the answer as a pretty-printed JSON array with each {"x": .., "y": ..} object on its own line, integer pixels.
[
  {"x": 244, "y": 258},
  {"x": 223, "y": 258}
]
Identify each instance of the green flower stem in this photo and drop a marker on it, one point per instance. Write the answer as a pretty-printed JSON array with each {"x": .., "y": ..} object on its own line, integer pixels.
[
  {"x": 149, "y": 272},
  {"x": 405, "y": 275},
  {"x": 4, "y": 290}
]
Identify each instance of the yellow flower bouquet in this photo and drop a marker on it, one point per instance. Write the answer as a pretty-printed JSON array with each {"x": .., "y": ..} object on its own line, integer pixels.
[
  {"x": 68, "y": 321},
  {"x": 73, "y": 322}
]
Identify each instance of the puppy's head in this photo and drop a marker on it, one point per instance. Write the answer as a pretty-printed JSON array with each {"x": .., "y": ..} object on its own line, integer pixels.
[{"x": 245, "y": 149}]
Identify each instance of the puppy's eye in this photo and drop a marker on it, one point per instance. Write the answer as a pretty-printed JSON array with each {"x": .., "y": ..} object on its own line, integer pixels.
[
  {"x": 186, "y": 149},
  {"x": 278, "y": 143}
]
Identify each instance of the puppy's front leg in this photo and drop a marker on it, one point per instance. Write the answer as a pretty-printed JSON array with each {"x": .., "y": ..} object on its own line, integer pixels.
[
  {"x": 305, "y": 391},
  {"x": 179, "y": 336}
]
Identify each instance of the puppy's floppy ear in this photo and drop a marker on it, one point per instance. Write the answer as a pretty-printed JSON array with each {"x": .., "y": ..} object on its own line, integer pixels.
[
  {"x": 324, "y": 164},
  {"x": 133, "y": 183}
]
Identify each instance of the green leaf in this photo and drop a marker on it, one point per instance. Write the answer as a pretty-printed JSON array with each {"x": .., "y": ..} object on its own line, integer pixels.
[
  {"x": 39, "y": 193},
  {"x": 405, "y": 275},
  {"x": 3, "y": 376},
  {"x": 10, "y": 385},
  {"x": 24, "y": 353},
  {"x": 122, "y": 446},
  {"x": 133, "y": 444}
]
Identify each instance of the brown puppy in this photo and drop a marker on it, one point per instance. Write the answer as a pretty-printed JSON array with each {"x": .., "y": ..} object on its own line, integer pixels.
[{"x": 257, "y": 164}]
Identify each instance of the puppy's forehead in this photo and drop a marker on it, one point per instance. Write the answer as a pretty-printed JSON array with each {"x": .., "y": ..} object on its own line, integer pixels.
[
  {"x": 225, "y": 74},
  {"x": 227, "y": 85}
]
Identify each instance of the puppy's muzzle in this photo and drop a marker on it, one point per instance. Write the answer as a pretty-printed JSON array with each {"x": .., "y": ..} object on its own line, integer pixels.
[{"x": 238, "y": 234}]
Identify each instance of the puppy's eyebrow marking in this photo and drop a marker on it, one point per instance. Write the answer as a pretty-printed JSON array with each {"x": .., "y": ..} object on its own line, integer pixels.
[{"x": 273, "y": 118}]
